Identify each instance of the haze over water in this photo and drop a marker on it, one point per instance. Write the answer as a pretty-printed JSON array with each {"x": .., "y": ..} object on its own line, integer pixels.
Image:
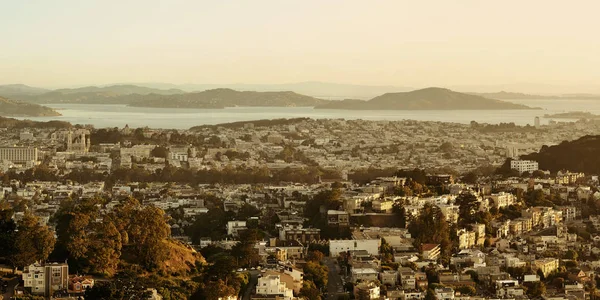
[{"x": 120, "y": 115}]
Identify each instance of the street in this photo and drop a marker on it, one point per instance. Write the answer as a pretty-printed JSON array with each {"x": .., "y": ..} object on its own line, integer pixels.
[
  {"x": 8, "y": 287},
  {"x": 251, "y": 284},
  {"x": 335, "y": 285}
]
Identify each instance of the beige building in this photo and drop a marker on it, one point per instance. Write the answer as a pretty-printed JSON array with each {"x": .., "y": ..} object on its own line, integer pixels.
[
  {"x": 546, "y": 265},
  {"x": 45, "y": 279},
  {"x": 19, "y": 154}
]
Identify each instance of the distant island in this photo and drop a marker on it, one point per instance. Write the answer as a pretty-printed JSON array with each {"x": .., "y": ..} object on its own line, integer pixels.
[
  {"x": 115, "y": 94},
  {"x": 424, "y": 99},
  {"x": 222, "y": 98},
  {"x": 572, "y": 115},
  {"x": 13, "y": 108},
  {"x": 173, "y": 98}
]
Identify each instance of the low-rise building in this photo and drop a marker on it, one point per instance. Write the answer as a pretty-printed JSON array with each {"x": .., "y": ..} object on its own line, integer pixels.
[{"x": 45, "y": 279}]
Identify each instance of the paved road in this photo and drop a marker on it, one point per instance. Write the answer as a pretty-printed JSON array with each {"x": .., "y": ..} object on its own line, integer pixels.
[
  {"x": 251, "y": 284},
  {"x": 10, "y": 288},
  {"x": 335, "y": 285}
]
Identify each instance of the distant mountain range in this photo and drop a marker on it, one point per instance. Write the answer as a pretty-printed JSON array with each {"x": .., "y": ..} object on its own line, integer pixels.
[
  {"x": 424, "y": 99},
  {"x": 8, "y": 90},
  {"x": 221, "y": 98},
  {"x": 325, "y": 90},
  {"x": 116, "y": 94},
  {"x": 13, "y": 108}
]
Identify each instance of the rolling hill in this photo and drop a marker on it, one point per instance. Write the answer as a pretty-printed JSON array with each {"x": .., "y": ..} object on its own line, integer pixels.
[
  {"x": 9, "y": 90},
  {"x": 317, "y": 89},
  {"x": 221, "y": 98},
  {"x": 580, "y": 155},
  {"x": 10, "y": 107},
  {"x": 424, "y": 99},
  {"x": 115, "y": 94}
]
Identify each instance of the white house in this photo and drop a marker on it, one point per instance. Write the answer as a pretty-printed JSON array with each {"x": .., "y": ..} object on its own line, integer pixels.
[
  {"x": 271, "y": 285},
  {"x": 338, "y": 246}
]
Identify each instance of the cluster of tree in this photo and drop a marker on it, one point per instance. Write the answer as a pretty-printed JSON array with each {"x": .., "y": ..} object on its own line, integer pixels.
[
  {"x": 315, "y": 276},
  {"x": 416, "y": 175},
  {"x": 412, "y": 187},
  {"x": 160, "y": 151},
  {"x": 165, "y": 137},
  {"x": 97, "y": 247},
  {"x": 290, "y": 154},
  {"x": 26, "y": 241},
  {"x": 213, "y": 223},
  {"x": 502, "y": 127},
  {"x": 469, "y": 213},
  {"x": 367, "y": 175},
  {"x": 19, "y": 124},
  {"x": 227, "y": 175},
  {"x": 539, "y": 198},
  {"x": 256, "y": 123},
  {"x": 233, "y": 155},
  {"x": 137, "y": 136},
  {"x": 431, "y": 227},
  {"x": 472, "y": 177},
  {"x": 315, "y": 211}
]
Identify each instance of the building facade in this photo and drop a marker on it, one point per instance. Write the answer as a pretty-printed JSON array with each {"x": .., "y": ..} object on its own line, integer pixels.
[
  {"x": 524, "y": 165},
  {"x": 45, "y": 279},
  {"x": 19, "y": 154}
]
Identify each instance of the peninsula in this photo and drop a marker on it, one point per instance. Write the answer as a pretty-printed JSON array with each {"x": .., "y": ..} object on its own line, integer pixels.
[{"x": 15, "y": 108}]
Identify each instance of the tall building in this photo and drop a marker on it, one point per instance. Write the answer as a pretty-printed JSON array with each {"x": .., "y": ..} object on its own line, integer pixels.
[
  {"x": 45, "y": 279},
  {"x": 536, "y": 122},
  {"x": 77, "y": 141},
  {"x": 19, "y": 154}
]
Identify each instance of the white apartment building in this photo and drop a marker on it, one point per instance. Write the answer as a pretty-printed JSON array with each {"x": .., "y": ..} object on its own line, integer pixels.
[
  {"x": 338, "y": 246},
  {"x": 368, "y": 290},
  {"x": 45, "y": 279},
  {"x": 233, "y": 227},
  {"x": 271, "y": 285},
  {"x": 524, "y": 165},
  {"x": 19, "y": 154}
]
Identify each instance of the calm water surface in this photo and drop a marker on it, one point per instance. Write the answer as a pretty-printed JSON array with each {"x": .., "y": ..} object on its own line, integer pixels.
[{"x": 120, "y": 115}]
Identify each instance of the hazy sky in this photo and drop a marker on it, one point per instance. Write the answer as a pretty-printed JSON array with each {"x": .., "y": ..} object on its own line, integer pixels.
[{"x": 404, "y": 43}]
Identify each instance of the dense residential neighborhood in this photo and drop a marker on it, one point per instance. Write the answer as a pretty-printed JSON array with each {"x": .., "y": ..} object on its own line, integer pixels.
[{"x": 296, "y": 209}]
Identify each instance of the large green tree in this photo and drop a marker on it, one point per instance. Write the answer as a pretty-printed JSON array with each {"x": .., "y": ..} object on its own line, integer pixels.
[
  {"x": 148, "y": 232},
  {"x": 430, "y": 226},
  {"x": 310, "y": 291},
  {"x": 7, "y": 233},
  {"x": 33, "y": 242},
  {"x": 104, "y": 248},
  {"x": 317, "y": 273}
]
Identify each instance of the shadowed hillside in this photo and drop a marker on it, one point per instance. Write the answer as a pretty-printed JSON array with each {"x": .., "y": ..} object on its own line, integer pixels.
[{"x": 580, "y": 155}]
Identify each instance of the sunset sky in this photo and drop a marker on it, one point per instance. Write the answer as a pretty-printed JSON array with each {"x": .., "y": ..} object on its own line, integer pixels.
[{"x": 404, "y": 43}]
